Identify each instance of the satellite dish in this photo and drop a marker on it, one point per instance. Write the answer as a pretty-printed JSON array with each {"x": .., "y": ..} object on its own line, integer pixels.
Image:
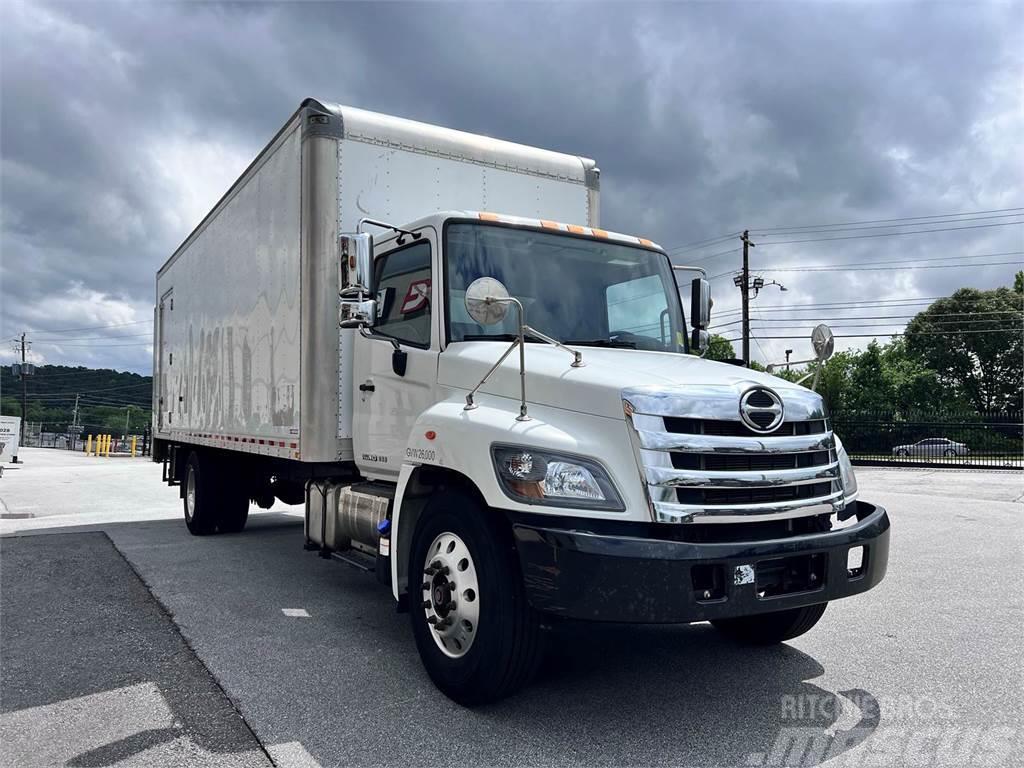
[
  {"x": 823, "y": 341},
  {"x": 487, "y": 301}
]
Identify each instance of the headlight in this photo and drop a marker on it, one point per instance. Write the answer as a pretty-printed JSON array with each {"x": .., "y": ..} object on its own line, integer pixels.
[
  {"x": 846, "y": 472},
  {"x": 533, "y": 476}
]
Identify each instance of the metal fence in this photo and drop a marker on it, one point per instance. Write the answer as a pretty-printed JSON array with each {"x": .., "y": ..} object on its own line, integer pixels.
[
  {"x": 37, "y": 436},
  {"x": 989, "y": 440}
]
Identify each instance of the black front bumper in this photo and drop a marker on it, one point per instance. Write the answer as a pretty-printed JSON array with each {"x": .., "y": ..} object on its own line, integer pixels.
[{"x": 600, "y": 577}]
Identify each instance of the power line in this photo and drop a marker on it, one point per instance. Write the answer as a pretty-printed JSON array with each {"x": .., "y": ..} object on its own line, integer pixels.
[
  {"x": 90, "y": 327},
  {"x": 889, "y": 234},
  {"x": 884, "y": 317},
  {"x": 698, "y": 244},
  {"x": 100, "y": 338},
  {"x": 713, "y": 256},
  {"x": 882, "y": 221},
  {"x": 869, "y": 266},
  {"x": 99, "y": 346},
  {"x": 835, "y": 228},
  {"x": 906, "y": 261},
  {"x": 917, "y": 333}
]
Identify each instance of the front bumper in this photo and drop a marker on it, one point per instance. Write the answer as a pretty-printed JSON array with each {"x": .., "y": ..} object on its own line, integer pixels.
[{"x": 599, "y": 577}]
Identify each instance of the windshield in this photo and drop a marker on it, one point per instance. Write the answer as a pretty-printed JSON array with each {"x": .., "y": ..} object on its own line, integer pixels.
[{"x": 577, "y": 290}]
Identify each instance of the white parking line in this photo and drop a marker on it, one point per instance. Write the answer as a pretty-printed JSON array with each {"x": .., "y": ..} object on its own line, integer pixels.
[{"x": 296, "y": 613}]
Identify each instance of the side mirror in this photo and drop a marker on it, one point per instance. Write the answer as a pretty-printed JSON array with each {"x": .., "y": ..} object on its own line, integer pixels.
[
  {"x": 700, "y": 304},
  {"x": 355, "y": 265},
  {"x": 355, "y": 313},
  {"x": 355, "y": 275},
  {"x": 700, "y": 340}
]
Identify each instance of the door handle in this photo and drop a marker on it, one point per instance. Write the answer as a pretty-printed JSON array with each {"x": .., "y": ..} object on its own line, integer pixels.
[{"x": 367, "y": 387}]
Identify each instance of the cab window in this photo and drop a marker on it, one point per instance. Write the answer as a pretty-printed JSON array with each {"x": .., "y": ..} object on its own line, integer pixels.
[{"x": 403, "y": 281}]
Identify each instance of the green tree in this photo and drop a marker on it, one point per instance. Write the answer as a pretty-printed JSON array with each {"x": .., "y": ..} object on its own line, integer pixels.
[
  {"x": 1018, "y": 282},
  {"x": 720, "y": 348},
  {"x": 973, "y": 340}
]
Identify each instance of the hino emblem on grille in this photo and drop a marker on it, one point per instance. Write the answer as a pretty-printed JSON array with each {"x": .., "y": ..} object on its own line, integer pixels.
[{"x": 761, "y": 409}]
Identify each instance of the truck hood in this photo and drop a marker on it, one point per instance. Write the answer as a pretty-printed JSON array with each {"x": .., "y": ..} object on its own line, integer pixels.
[{"x": 596, "y": 388}]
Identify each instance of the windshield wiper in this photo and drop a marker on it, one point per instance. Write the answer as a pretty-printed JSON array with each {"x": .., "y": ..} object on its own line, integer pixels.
[
  {"x": 603, "y": 343},
  {"x": 496, "y": 337}
]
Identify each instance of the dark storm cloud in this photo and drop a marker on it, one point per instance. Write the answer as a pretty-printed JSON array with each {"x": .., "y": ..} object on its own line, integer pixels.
[{"x": 122, "y": 124}]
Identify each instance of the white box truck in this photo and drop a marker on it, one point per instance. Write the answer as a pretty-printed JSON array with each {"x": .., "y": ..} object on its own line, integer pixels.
[{"x": 425, "y": 337}]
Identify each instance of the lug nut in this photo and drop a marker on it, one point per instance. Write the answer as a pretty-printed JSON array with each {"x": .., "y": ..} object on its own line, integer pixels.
[
  {"x": 432, "y": 620},
  {"x": 426, "y": 603},
  {"x": 451, "y": 606},
  {"x": 425, "y": 585}
]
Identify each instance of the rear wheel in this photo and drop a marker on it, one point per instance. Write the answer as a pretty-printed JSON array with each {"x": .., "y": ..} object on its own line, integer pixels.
[
  {"x": 211, "y": 500},
  {"x": 903, "y": 452},
  {"x": 950, "y": 452},
  {"x": 771, "y": 628},
  {"x": 476, "y": 633}
]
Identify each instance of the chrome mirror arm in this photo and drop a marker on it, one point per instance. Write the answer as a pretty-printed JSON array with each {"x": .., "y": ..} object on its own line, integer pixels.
[
  {"x": 366, "y": 333},
  {"x": 577, "y": 356},
  {"x": 520, "y": 342}
]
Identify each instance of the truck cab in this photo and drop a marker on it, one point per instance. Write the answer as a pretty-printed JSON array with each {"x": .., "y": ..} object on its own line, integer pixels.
[{"x": 634, "y": 480}]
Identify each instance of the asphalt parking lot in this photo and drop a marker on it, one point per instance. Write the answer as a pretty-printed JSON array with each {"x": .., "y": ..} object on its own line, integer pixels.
[{"x": 125, "y": 641}]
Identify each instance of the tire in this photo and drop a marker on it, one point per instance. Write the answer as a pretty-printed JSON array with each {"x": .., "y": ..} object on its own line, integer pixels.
[
  {"x": 502, "y": 650},
  {"x": 771, "y": 628},
  {"x": 233, "y": 501},
  {"x": 903, "y": 453},
  {"x": 949, "y": 452},
  {"x": 199, "y": 499},
  {"x": 212, "y": 503}
]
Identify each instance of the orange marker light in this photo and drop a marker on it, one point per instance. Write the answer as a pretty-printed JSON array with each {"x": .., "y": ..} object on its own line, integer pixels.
[
  {"x": 644, "y": 241},
  {"x": 489, "y": 216},
  {"x": 599, "y": 232},
  {"x": 577, "y": 229},
  {"x": 549, "y": 224}
]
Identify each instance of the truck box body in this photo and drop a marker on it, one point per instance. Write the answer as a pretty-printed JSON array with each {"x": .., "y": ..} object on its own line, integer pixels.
[{"x": 247, "y": 354}]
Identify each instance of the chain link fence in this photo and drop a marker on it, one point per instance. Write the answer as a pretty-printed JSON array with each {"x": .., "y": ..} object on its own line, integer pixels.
[{"x": 988, "y": 440}]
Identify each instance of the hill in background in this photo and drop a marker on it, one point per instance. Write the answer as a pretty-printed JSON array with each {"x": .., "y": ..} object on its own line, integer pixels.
[{"x": 107, "y": 399}]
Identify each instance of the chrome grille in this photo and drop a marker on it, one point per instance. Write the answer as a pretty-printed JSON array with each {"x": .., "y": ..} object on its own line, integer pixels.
[{"x": 701, "y": 463}]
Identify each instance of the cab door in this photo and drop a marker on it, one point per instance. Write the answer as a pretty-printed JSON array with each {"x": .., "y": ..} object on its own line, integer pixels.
[{"x": 386, "y": 400}]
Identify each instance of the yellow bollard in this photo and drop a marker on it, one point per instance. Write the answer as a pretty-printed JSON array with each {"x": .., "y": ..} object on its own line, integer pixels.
[
  {"x": 106, "y": 446},
  {"x": 88, "y": 446},
  {"x": 133, "y": 446}
]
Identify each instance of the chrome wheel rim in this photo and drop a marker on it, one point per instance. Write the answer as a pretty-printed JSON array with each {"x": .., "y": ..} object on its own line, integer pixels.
[
  {"x": 451, "y": 595},
  {"x": 190, "y": 493}
]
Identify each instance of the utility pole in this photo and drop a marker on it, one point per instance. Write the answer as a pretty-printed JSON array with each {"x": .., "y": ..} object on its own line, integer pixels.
[
  {"x": 745, "y": 288},
  {"x": 24, "y": 392},
  {"x": 74, "y": 417},
  {"x": 127, "y": 416}
]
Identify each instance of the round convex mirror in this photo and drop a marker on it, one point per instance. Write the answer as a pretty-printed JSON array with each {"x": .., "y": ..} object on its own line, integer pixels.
[
  {"x": 487, "y": 301},
  {"x": 823, "y": 341}
]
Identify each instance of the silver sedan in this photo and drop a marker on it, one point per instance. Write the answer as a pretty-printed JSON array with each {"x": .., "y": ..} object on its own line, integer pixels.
[{"x": 931, "y": 447}]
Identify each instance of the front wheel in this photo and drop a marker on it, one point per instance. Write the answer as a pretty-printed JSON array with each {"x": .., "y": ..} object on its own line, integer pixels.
[
  {"x": 771, "y": 628},
  {"x": 477, "y": 635}
]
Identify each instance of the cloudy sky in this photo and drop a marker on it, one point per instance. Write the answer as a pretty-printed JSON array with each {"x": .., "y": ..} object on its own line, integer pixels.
[{"x": 121, "y": 125}]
